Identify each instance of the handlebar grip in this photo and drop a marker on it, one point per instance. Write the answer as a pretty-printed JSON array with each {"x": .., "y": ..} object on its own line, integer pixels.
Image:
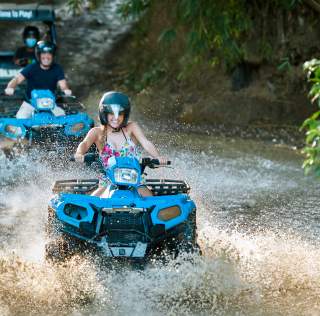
[
  {"x": 148, "y": 161},
  {"x": 91, "y": 157},
  {"x": 88, "y": 158},
  {"x": 157, "y": 162}
]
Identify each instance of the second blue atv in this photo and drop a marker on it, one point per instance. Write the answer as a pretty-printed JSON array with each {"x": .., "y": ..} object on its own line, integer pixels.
[
  {"x": 43, "y": 127},
  {"x": 121, "y": 224}
]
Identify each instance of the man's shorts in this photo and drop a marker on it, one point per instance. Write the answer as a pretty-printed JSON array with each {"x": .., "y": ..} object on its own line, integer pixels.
[{"x": 26, "y": 111}]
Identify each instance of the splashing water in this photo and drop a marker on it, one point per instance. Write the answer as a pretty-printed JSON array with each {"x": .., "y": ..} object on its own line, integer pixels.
[{"x": 258, "y": 232}]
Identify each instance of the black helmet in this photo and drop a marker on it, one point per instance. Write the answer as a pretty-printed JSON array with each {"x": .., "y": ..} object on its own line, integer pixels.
[
  {"x": 44, "y": 47},
  {"x": 114, "y": 101},
  {"x": 31, "y": 30}
]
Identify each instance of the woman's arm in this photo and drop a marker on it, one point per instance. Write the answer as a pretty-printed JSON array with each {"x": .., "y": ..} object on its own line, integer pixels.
[
  {"x": 84, "y": 146},
  {"x": 145, "y": 143}
]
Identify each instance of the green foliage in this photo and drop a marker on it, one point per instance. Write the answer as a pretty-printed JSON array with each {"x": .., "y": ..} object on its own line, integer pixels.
[
  {"x": 285, "y": 64},
  {"x": 215, "y": 27},
  {"x": 155, "y": 72},
  {"x": 312, "y": 124},
  {"x": 77, "y": 7},
  {"x": 133, "y": 8},
  {"x": 212, "y": 30},
  {"x": 168, "y": 36},
  {"x": 210, "y": 24}
]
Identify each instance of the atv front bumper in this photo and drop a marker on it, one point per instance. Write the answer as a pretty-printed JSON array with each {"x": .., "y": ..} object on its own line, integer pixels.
[{"x": 119, "y": 230}]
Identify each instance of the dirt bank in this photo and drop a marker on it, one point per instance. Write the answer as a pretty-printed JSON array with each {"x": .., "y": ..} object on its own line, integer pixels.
[
  {"x": 100, "y": 52},
  {"x": 256, "y": 93}
]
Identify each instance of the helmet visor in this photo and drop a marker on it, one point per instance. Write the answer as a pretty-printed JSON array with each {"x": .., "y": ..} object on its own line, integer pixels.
[{"x": 114, "y": 109}]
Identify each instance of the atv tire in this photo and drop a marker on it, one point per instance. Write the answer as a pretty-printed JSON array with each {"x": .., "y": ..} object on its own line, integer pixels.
[
  {"x": 188, "y": 242},
  {"x": 55, "y": 251},
  {"x": 57, "y": 248}
]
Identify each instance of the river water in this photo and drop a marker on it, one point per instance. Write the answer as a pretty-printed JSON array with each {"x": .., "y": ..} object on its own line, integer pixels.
[
  {"x": 258, "y": 230},
  {"x": 257, "y": 224}
]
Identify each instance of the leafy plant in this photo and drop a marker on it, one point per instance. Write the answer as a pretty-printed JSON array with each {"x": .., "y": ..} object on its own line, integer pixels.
[
  {"x": 133, "y": 8},
  {"x": 154, "y": 73},
  {"x": 77, "y": 7},
  {"x": 285, "y": 64},
  {"x": 211, "y": 30},
  {"x": 312, "y": 124}
]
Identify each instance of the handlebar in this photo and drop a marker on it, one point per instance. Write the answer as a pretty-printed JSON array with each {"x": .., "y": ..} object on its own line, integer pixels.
[
  {"x": 58, "y": 96},
  {"x": 64, "y": 96},
  {"x": 87, "y": 158},
  {"x": 151, "y": 163},
  {"x": 90, "y": 157},
  {"x": 145, "y": 162}
]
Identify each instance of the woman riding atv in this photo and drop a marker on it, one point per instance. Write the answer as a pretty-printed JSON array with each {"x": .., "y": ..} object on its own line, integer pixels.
[{"x": 116, "y": 136}]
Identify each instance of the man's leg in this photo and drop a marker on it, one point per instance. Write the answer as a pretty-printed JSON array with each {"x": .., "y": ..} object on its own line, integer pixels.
[{"x": 26, "y": 110}]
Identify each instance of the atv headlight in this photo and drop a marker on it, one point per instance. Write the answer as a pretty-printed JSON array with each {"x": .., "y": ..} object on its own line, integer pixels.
[
  {"x": 16, "y": 131},
  {"x": 125, "y": 175},
  {"x": 45, "y": 104},
  {"x": 77, "y": 127},
  {"x": 169, "y": 213}
]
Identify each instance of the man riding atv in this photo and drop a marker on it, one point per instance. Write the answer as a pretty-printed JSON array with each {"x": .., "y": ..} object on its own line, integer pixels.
[
  {"x": 45, "y": 74},
  {"x": 26, "y": 54},
  {"x": 55, "y": 120}
]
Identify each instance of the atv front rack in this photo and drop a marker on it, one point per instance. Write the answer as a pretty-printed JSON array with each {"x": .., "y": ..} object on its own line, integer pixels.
[
  {"x": 167, "y": 187},
  {"x": 75, "y": 186},
  {"x": 70, "y": 107},
  {"x": 157, "y": 186},
  {"x": 9, "y": 105}
]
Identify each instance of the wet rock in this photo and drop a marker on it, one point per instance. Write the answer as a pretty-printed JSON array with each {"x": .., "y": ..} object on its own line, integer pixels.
[
  {"x": 96, "y": 21},
  {"x": 249, "y": 204}
]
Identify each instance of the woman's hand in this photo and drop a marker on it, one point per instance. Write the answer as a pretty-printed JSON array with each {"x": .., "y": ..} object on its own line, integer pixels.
[
  {"x": 79, "y": 157},
  {"x": 85, "y": 145},
  {"x": 162, "y": 160}
]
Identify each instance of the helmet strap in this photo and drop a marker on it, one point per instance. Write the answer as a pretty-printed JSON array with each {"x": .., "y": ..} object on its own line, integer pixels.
[{"x": 115, "y": 130}]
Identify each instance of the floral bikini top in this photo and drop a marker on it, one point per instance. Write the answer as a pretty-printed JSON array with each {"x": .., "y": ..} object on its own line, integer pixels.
[{"x": 129, "y": 149}]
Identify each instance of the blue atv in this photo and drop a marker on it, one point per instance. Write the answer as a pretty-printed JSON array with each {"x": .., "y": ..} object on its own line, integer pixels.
[
  {"x": 122, "y": 223},
  {"x": 44, "y": 127}
]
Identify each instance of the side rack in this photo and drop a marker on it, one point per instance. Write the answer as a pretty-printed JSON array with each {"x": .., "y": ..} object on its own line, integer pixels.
[
  {"x": 9, "y": 106},
  {"x": 77, "y": 186},
  {"x": 71, "y": 106},
  {"x": 167, "y": 187}
]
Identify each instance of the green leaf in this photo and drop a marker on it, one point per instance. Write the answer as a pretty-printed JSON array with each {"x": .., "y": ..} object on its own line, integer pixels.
[{"x": 168, "y": 35}]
